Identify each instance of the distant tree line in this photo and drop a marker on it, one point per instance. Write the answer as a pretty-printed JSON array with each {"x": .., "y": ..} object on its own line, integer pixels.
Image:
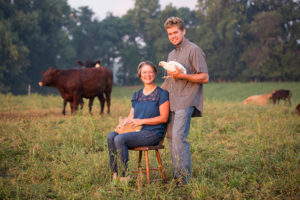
[{"x": 244, "y": 40}]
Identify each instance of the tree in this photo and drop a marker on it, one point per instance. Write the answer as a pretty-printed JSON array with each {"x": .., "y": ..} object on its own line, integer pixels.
[
  {"x": 263, "y": 55},
  {"x": 83, "y": 33},
  {"x": 37, "y": 31},
  {"x": 130, "y": 58},
  {"x": 13, "y": 56},
  {"x": 270, "y": 40},
  {"x": 243, "y": 40},
  {"x": 219, "y": 36},
  {"x": 144, "y": 17}
]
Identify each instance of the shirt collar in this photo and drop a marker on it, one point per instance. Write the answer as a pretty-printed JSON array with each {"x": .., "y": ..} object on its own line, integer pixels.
[{"x": 182, "y": 43}]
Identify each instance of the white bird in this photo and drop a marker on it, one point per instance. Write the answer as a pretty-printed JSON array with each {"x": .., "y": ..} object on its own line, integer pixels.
[{"x": 170, "y": 66}]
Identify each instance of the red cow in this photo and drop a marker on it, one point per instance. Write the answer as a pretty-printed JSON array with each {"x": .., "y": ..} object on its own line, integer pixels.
[
  {"x": 75, "y": 84},
  {"x": 298, "y": 109},
  {"x": 281, "y": 94}
]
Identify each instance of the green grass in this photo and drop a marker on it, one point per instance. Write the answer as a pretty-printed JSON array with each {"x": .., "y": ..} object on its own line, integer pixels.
[{"x": 238, "y": 151}]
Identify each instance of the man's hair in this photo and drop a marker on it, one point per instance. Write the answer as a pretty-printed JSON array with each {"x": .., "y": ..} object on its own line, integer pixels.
[{"x": 174, "y": 21}]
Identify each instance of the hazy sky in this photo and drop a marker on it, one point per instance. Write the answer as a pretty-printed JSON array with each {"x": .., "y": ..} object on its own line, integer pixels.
[{"x": 120, "y": 7}]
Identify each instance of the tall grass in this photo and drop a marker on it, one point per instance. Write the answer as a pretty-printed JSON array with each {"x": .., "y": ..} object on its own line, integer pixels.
[{"x": 238, "y": 151}]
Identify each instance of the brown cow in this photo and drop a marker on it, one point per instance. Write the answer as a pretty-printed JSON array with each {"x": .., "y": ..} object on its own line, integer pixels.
[
  {"x": 281, "y": 95},
  {"x": 298, "y": 109},
  {"x": 75, "y": 84}
]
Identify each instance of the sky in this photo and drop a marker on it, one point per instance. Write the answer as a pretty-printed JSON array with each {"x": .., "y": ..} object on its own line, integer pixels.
[{"x": 120, "y": 7}]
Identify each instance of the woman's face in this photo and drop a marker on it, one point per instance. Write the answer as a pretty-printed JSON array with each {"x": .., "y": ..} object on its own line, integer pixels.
[{"x": 147, "y": 74}]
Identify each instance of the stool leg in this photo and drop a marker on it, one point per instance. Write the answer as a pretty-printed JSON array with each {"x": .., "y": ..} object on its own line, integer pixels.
[
  {"x": 139, "y": 180},
  {"x": 147, "y": 166},
  {"x": 160, "y": 165},
  {"x": 140, "y": 159}
]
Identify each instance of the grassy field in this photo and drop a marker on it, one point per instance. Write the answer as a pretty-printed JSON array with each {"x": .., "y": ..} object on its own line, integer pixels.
[{"x": 238, "y": 151}]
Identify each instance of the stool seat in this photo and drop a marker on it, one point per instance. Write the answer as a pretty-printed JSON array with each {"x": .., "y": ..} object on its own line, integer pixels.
[{"x": 145, "y": 148}]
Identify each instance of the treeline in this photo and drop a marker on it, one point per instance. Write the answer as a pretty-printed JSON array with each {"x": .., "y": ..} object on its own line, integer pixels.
[{"x": 244, "y": 40}]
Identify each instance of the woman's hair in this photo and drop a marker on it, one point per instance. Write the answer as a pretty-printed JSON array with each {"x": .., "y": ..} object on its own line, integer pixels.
[
  {"x": 143, "y": 63},
  {"x": 174, "y": 21}
]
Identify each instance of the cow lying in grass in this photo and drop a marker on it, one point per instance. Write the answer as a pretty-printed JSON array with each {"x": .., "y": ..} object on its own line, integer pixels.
[{"x": 259, "y": 99}]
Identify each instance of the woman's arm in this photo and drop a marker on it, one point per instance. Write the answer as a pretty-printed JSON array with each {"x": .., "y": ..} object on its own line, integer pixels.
[
  {"x": 162, "y": 118},
  {"x": 130, "y": 116}
]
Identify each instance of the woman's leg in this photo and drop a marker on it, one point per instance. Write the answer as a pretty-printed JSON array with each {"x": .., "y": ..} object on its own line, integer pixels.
[{"x": 112, "y": 152}]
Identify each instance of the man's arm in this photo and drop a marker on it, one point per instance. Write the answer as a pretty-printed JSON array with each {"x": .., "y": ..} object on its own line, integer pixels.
[
  {"x": 164, "y": 85},
  {"x": 194, "y": 78}
]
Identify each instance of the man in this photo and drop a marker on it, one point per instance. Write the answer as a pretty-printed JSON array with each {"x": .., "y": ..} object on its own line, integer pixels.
[{"x": 186, "y": 95}]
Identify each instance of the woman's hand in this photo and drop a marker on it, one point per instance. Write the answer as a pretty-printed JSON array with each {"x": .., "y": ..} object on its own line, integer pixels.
[
  {"x": 125, "y": 121},
  {"x": 135, "y": 122}
]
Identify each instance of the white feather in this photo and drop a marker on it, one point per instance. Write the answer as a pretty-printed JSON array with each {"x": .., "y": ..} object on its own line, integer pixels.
[{"x": 170, "y": 66}]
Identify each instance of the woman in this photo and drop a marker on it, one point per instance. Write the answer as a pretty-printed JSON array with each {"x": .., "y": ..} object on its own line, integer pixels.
[{"x": 150, "y": 108}]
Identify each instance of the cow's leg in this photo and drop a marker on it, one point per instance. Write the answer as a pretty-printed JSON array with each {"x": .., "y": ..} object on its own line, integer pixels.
[
  {"x": 91, "y": 100},
  {"x": 102, "y": 102},
  {"x": 64, "y": 107},
  {"x": 71, "y": 106},
  {"x": 81, "y": 103},
  {"x": 274, "y": 100},
  {"x": 107, "y": 95},
  {"x": 76, "y": 100},
  {"x": 289, "y": 98}
]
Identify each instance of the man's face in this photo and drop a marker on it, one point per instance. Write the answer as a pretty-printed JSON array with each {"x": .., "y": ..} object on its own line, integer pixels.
[{"x": 175, "y": 35}]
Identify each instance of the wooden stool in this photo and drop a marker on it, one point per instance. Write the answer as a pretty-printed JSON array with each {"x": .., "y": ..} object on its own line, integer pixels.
[{"x": 146, "y": 149}]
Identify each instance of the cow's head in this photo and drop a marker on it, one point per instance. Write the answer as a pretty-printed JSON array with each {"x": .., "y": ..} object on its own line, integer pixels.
[
  {"x": 89, "y": 63},
  {"x": 49, "y": 77},
  {"x": 97, "y": 63}
]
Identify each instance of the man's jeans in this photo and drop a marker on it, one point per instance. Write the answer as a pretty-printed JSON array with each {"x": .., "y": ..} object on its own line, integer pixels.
[
  {"x": 178, "y": 130},
  {"x": 119, "y": 145}
]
